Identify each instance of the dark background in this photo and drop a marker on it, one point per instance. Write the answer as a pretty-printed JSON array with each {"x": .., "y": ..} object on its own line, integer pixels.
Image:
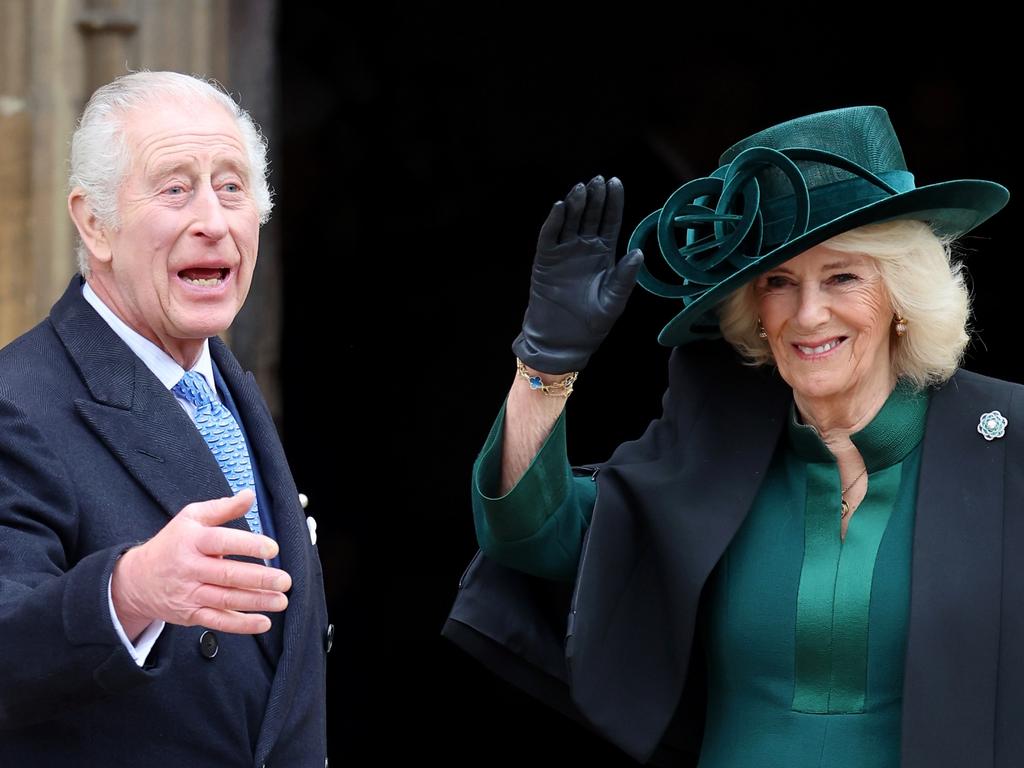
[{"x": 416, "y": 156}]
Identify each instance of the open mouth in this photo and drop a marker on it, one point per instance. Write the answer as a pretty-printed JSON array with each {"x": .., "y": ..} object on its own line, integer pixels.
[
  {"x": 819, "y": 350},
  {"x": 204, "y": 277}
]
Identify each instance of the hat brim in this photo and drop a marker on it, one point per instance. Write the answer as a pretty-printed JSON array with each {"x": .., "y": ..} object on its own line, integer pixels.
[{"x": 952, "y": 208}]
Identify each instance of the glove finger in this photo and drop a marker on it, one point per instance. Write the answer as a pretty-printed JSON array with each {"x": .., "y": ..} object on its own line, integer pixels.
[
  {"x": 574, "y": 203},
  {"x": 594, "y": 207},
  {"x": 622, "y": 278},
  {"x": 611, "y": 220},
  {"x": 551, "y": 227}
]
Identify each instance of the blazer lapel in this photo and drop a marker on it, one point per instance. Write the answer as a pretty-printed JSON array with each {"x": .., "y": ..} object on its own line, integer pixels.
[
  {"x": 134, "y": 415},
  {"x": 951, "y": 669},
  {"x": 292, "y": 537},
  {"x": 143, "y": 425},
  {"x": 667, "y": 508}
]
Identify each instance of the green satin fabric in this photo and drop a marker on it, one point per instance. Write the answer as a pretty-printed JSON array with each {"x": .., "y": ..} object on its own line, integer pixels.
[
  {"x": 835, "y": 591},
  {"x": 805, "y": 633}
]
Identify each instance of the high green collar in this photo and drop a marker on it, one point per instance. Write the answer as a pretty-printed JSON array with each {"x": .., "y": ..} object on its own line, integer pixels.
[{"x": 894, "y": 432}]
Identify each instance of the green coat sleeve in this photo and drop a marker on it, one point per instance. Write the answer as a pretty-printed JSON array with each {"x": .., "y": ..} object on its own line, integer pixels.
[{"x": 538, "y": 526}]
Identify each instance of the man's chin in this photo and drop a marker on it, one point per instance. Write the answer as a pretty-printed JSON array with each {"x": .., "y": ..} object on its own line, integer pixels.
[
  {"x": 198, "y": 323},
  {"x": 184, "y": 342}
]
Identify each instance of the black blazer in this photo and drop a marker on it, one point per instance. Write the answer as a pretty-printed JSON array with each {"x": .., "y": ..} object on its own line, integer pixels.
[
  {"x": 668, "y": 505},
  {"x": 96, "y": 455}
]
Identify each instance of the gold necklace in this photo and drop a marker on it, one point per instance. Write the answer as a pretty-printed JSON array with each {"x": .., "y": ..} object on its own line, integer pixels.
[{"x": 842, "y": 495}]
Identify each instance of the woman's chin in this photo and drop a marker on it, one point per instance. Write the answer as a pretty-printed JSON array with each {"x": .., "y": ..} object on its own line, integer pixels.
[{"x": 819, "y": 385}]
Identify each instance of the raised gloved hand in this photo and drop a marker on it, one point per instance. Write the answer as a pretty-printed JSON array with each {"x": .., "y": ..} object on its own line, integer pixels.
[{"x": 578, "y": 290}]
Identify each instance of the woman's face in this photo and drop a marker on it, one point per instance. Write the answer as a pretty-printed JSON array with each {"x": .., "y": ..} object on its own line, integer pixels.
[{"x": 828, "y": 318}]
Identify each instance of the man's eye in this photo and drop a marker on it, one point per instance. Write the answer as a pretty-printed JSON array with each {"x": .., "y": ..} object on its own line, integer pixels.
[
  {"x": 176, "y": 189},
  {"x": 232, "y": 187}
]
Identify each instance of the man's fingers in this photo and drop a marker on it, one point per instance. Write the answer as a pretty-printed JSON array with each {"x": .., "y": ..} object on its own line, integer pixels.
[
  {"x": 220, "y": 511},
  {"x": 224, "y": 599},
  {"x": 232, "y": 622},
  {"x": 231, "y": 573},
  {"x": 218, "y": 542}
]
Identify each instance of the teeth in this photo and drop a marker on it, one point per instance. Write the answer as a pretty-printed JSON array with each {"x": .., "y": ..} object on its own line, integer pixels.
[
  {"x": 205, "y": 282},
  {"x": 818, "y": 350}
]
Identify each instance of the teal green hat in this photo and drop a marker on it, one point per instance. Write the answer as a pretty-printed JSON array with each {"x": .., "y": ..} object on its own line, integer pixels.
[{"x": 787, "y": 189}]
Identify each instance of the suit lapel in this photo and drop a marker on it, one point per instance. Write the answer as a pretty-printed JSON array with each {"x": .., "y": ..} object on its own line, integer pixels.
[
  {"x": 143, "y": 425},
  {"x": 134, "y": 415},
  {"x": 949, "y": 689},
  {"x": 292, "y": 537}
]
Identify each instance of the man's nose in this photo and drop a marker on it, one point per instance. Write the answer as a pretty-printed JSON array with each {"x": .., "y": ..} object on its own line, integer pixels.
[{"x": 210, "y": 220}]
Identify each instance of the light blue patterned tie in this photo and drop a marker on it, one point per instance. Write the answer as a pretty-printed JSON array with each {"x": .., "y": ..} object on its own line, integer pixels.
[{"x": 222, "y": 433}]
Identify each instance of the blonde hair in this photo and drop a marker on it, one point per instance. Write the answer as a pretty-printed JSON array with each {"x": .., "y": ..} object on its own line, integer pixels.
[{"x": 925, "y": 284}]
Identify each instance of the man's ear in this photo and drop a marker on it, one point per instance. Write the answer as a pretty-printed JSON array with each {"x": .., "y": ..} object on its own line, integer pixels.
[{"x": 90, "y": 229}]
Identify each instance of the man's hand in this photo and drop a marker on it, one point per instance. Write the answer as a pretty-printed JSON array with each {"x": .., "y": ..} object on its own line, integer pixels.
[{"x": 182, "y": 576}]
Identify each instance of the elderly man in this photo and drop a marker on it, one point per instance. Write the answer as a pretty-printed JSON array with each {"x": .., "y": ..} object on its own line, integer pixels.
[{"x": 148, "y": 518}]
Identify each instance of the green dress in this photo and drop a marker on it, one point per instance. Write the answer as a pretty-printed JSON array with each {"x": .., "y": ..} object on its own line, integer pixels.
[{"x": 804, "y": 632}]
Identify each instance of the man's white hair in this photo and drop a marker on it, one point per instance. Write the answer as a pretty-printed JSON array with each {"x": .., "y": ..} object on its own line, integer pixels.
[{"x": 100, "y": 155}]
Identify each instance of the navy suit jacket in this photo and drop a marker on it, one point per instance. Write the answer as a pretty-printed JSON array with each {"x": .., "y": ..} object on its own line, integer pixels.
[
  {"x": 619, "y": 650},
  {"x": 95, "y": 456}
]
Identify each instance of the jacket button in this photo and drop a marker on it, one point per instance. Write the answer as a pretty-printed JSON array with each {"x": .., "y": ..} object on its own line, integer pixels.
[
  {"x": 208, "y": 645},
  {"x": 329, "y": 638}
]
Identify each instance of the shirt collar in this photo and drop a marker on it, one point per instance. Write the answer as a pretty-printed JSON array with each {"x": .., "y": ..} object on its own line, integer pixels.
[{"x": 163, "y": 366}]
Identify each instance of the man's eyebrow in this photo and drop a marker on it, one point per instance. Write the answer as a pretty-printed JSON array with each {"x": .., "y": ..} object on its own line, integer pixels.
[
  {"x": 162, "y": 170},
  {"x": 231, "y": 164},
  {"x": 171, "y": 167}
]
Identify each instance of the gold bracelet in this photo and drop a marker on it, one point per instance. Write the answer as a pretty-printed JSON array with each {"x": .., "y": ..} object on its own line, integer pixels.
[{"x": 561, "y": 388}]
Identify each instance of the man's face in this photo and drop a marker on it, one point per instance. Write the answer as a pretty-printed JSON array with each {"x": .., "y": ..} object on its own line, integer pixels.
[{"x": 179, "y": 266}]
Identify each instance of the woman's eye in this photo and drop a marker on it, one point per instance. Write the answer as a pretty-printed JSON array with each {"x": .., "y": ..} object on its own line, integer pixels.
[
  {"x": 175, "y": 189},
  {"x": 775, "y": 281},
  {"x": 845, "y": 277},
  {"x": 232, "y": 187}
]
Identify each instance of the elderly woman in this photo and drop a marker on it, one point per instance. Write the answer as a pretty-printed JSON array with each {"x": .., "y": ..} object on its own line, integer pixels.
[{"x": 811, "y": 557}]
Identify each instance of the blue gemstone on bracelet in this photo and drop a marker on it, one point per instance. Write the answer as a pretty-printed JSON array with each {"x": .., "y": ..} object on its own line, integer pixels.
[{"x": 535, "y": 382}]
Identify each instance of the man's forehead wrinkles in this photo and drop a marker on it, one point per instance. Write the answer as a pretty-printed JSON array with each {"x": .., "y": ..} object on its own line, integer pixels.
[
  {"x": 172, "y": 139},
  {"x": 193, "y": 155},
  {"x": 161, "y": 165},
  {"x": 177, "y": 154}
]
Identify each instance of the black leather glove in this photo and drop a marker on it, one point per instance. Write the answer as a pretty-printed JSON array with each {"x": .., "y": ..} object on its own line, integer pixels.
[{"x": 578, "y": 290}]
